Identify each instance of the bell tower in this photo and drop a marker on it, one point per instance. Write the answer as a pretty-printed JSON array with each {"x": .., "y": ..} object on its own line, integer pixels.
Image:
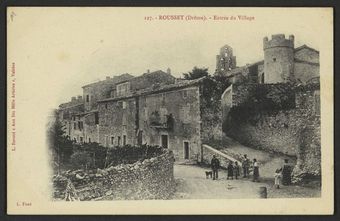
[{"x": 225, "y": 61}]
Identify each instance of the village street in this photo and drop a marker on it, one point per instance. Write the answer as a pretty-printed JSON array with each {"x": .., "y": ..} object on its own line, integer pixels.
[{"x": 192, "y": 183}]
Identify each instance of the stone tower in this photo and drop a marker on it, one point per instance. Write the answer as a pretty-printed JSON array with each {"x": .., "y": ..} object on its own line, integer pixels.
[
  {"x": 225, "y": 61},
  {"x": 278, "y": 59}
]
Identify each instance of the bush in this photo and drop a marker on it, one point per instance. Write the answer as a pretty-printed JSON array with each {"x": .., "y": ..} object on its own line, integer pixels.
[{"x": 81, "y": 159}]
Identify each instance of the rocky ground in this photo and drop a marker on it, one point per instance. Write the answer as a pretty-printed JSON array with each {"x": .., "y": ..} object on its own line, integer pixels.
[{"x": 192, "y": 184}]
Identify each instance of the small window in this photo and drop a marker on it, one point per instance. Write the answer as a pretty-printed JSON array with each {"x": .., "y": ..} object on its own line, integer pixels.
[
  {"x": 274, "y": 59},
  {"x": 75, "y": 126},
  {"x": 186, "y": 150},
  {"x": 96, "y": 118},
  {"x": 81, "y": 139},
  {"x": 80, "y": 125},
  {"x": 87, "y": 98},
  {"x": 163, "y": 99},
  {"x": 105, "y": 106},
  {"x": 112, "y": 140},
  {"x": 185, "y": 94},
  {"x": 89, "y": 140},
  {"x": 118, "y": 141},
  {"x": 124, "y": 139}
]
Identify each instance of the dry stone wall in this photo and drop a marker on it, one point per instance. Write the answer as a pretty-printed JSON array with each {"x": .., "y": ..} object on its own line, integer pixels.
[{"x": 145, "y": 179}]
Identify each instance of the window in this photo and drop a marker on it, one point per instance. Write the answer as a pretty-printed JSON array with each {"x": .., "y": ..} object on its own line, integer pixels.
[
  {"x": 185, "y": 94},
  {"x": 317, "y": 102},
  {"x": 112, "y": 140},
  {"x": 89, "y": 140},
  {"x": 118, "y": 140},
  {"x": 87, "y": 98},
  {"x": 186, "y": 150},
  {"x": 105, "y": 106},
  {"x": 81, "y": 139},
  {"x": 164, "y": 141},
  {"x": 274, "y": 59},
  {"x": 75, "y": 126},
  {"x": 122, "y": 89},
  {"x": 96, "y": 118},
  {"x": 163, "y": 99},
  {"x": 124, "y": 139},
  {"x": 80, "y": 125}
]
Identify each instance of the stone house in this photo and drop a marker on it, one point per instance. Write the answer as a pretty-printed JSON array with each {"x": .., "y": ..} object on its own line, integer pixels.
[
  {"x": 154, "y": 108},
  {"x": 167, "y": 115}
]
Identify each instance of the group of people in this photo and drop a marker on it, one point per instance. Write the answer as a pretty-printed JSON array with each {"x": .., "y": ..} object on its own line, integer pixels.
[
  {"x": 234, "y": 168},
  {"x": 282, "y": 175}
]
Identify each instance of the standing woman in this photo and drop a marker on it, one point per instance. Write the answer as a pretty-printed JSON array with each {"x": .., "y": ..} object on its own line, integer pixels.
[
  {"x": 286, "y": 173},
  {"x": 256, "y": 172}
]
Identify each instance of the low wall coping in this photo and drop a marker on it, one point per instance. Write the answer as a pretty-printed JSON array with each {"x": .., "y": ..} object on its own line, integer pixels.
[{"x": 220, "y": 153}]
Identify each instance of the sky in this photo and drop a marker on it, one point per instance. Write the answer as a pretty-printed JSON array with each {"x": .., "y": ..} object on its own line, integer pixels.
[{"x": 66, "y": 48}]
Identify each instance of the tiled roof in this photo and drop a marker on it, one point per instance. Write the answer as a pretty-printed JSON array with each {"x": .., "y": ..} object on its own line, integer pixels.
[
  {"x": 305, "y": 47},
  {"x": 158, "y": 89},
  {"x": 113, "y": 80}
]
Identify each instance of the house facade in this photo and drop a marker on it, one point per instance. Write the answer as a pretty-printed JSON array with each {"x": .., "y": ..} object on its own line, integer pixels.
[{"x": 154, "y": 109}]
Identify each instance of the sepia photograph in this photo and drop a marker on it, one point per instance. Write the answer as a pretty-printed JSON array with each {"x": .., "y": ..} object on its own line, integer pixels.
[{"x": 165, "y": 107}]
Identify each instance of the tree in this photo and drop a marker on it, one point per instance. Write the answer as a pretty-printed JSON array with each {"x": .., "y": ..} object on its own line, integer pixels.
[
  {"x": 81, "y": 159},
  {"x": 196, "y": 73},
  {"x": 59, "y": 144}
]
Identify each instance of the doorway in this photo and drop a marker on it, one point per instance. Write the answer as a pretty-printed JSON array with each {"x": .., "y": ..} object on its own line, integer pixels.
[
  {"x": 186, "y": 150},
  {"x": 164, "y": 141},
  {"x": 140, "y": 138}
]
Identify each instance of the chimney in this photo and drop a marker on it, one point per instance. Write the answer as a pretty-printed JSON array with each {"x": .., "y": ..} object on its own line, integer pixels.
[
  {"x": 148, "y": 71},
  {"x": 107, "y": 77},
  {"x": 73, "y": 99},
  {"x": 80, "y": 98}
]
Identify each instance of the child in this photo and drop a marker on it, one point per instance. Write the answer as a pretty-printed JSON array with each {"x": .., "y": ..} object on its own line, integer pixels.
[
  {"x": 278, "y": 177},
  {"x": 236, "y": 170}
]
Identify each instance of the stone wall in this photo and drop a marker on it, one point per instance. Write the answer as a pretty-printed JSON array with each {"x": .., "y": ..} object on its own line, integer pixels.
[
  {"x": 293, "y": 131},
  {"x": 101, "y": 90},
  {"x": 224, "y": 159},
  {"x": 91, "y": 128},
  {"x": 117, "y": 119},
  {"x": 303, "y": 71},
  {"x": 148, "y": 179}
]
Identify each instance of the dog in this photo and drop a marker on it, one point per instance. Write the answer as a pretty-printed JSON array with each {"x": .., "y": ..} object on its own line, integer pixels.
[{"x": 208, "y": 174}]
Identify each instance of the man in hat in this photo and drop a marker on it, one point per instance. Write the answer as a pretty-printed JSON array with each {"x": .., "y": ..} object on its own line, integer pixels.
[{"x": 215, "y": 165}]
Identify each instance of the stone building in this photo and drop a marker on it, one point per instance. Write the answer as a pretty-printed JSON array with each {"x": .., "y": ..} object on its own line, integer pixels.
[
  {"x": 280, "y": 111},
  {"x": 167, "y": 115},
  {"x": 225, "y": 60},
  {"x": 154, "y": 108},
  {"x": 282, "y": 63}
]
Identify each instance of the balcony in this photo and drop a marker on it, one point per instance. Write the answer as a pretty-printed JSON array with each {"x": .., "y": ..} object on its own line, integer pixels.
[{"x": 156, "y": 123}]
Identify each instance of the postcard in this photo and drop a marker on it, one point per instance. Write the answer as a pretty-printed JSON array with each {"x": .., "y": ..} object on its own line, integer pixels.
[{"x": 151, "y": 110}]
